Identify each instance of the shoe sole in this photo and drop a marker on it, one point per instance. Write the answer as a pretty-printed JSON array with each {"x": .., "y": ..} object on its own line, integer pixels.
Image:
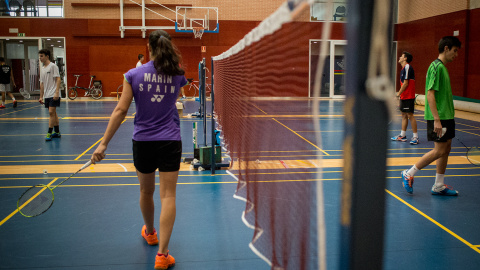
[
  {"x": 440, "y": 194},
  {"x": 163, "y": 268}
]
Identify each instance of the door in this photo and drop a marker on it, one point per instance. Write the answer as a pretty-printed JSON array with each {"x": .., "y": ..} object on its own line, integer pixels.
[{"x": 338, "y": 69}]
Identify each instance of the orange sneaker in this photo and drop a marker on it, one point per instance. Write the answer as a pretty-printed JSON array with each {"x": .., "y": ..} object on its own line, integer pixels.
[
  {"x": 150, "y": 238},
  {"x": 163, "y": 262}
]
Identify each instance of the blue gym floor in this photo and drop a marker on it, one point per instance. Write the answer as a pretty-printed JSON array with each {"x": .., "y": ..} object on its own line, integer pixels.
[{"x": 95, "y": 221}]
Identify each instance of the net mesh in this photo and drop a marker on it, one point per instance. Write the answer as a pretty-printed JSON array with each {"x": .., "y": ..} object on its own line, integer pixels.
[
  {"x": 198, "y": 32},
  {"x": 35, "y": 200},
  {"x": 275, "y": 161}
]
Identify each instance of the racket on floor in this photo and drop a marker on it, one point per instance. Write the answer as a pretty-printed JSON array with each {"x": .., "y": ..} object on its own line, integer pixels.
[
  {"x": 37, "y": 199},
  {"x": 473, "y": 154},
  {"x": 24, "y": 93}
]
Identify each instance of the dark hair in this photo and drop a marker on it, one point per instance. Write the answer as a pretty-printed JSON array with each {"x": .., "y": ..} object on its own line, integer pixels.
[
  {"x": 45, "y": 52},
  {"x": 167, "y": 58},
  {"x": 409, "y": 56},
  {"x": 449, "y": 41},
  {"x": 2, "y": 59},
  {"x": 140, "y": 56}
]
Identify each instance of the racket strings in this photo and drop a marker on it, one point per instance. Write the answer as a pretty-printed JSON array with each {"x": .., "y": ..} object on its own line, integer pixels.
[
  {"x": 35, "y": 200},
  {"x": 473, "y": 156}
]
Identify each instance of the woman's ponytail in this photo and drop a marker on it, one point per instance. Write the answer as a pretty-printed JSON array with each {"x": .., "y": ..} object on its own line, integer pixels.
[{"x": 166, "y": 56}]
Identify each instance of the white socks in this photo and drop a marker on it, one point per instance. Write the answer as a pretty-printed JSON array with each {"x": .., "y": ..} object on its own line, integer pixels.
[
  {"x": 415, "y": 135},
  {"x": 412, "y": 171},
  {"x": 440, "y": 180},
  {"x": 403, "y": 133}
]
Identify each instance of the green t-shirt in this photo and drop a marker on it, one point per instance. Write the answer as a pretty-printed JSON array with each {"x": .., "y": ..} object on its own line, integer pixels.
[{"x": 439, "y": 81}]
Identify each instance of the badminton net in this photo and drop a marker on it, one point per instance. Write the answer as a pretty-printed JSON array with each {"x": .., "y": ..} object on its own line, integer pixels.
[{"x": 276, "y": 165}]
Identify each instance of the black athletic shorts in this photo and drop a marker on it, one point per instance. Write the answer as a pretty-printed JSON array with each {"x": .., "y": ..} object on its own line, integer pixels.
[
  {"x": 449, "y": 134},
  {"x": 148, "y": 156},
  {"x": 50, "y": 102},
  {"x": 407, "y": 105}
]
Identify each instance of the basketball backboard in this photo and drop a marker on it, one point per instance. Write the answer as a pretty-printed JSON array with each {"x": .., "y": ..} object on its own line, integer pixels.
[{"x": 190, "y": 19}]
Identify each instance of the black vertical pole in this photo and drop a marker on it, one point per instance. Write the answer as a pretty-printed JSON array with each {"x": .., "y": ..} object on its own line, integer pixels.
[
  {"x": 204, "y": 103},
  {"x": 212, "y": 94},
  {"x": 363, "y": 188}
]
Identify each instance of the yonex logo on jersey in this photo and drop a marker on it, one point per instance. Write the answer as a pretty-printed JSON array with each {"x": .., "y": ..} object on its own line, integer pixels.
[{"x": 157, "y": 98}]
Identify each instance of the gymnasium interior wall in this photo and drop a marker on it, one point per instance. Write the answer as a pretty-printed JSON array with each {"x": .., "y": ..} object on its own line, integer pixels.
[{"x": 422, "y": 23}]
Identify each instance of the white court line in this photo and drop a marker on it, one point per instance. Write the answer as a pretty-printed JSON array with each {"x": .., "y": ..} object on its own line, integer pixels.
[{"x": 122, "y": 167}]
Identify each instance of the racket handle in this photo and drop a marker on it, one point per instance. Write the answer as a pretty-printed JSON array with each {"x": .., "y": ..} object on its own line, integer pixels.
[{"x": 86, "y": 165}]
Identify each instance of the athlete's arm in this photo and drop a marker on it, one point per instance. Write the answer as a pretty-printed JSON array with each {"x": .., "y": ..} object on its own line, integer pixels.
[
  {"x": 432, "y": 103},
  {"x": 41, "y": 93},
  {"x": 403, "y": 88},
  {"x": 57, "y": 89}
]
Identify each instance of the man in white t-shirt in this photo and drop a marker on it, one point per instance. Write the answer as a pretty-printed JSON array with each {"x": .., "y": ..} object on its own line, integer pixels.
[
  {"x": 140, "y": 60},
  {"x": 50, "y": 90}
]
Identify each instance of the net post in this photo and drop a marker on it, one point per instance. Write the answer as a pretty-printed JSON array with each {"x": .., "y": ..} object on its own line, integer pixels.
[
  {"x": 202, "y": 101},
  {"x": 213, "y": 167},
  {"x": 362, "y": 206}
]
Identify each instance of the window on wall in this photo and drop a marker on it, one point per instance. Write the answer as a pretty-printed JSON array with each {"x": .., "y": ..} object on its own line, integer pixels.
[
  {"x": 319, "y": 11},
  {"x": 31, "y": 8}
]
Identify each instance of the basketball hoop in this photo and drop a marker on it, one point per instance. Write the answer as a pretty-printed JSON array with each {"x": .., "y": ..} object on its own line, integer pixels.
[{"x": 198, "y": 32}]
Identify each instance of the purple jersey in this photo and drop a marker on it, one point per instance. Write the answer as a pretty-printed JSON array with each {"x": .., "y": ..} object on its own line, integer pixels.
[{"x": 155, "y": 95}]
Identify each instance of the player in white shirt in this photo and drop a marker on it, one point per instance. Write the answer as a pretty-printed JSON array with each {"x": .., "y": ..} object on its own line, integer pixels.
[
  {"x": 140, "y": 60},
  {"x": 50, "y": 91}
]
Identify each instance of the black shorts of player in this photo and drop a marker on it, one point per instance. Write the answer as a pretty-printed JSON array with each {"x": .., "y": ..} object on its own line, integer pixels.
[
  {"x": 50, "y": 102},
  {"x": 148, "y": 156},
  {"x": 407, "y": 105},
  {"x": 450, "y": 134}
]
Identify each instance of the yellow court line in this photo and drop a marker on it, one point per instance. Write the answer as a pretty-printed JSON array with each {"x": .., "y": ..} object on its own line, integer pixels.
[
  {"x": 290, "y": 130},
  {"x": 98, "y": 141},
  {"x": 435, "y": 222},
  {"x": 88, "y": 149},
  {"x": 23, "y": 205},
  {"x": 19, "y": 110},
  {"x": 327, "y": 154}
]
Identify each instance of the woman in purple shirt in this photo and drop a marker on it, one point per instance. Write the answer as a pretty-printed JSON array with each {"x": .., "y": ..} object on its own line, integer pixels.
[{"x": 156, "y": 137}]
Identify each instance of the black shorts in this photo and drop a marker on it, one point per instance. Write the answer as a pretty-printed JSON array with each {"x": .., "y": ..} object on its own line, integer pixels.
[
  {"x": 450, "y": 134},
  {"x": 148, "y": 156},
  {"x": 50, "y": 102},
  {"x": 407, "y": 105}
]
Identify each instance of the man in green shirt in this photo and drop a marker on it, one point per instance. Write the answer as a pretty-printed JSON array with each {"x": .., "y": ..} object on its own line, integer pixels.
[{"x": 440, "y": 114}]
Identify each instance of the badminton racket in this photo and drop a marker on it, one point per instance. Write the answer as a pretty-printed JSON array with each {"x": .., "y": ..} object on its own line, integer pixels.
[
  {"x": 24, "y": 93},
  {"x": 473, "y": 154},
  {"x": 37, "y": 199}
]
